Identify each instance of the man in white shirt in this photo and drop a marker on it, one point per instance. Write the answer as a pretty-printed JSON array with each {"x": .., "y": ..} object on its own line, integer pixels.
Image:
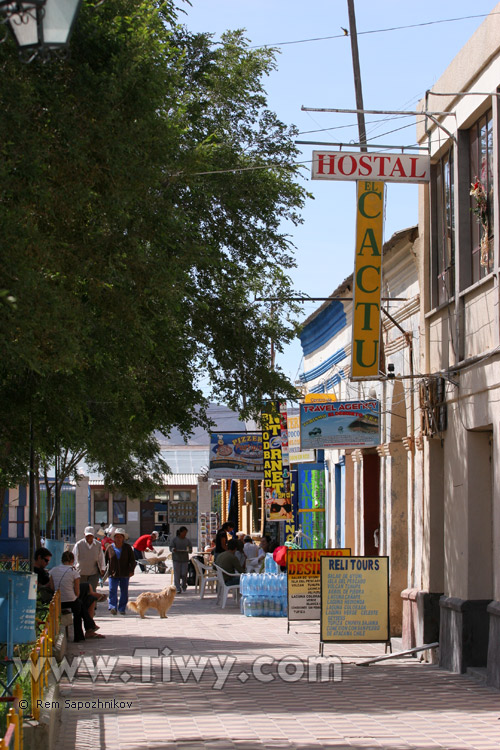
[
  {"x": 89, "y": 558},
  {"x": 254, "y": 555}
]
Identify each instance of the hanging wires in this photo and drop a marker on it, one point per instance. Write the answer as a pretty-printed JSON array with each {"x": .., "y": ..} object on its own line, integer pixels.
[{"x": 377, "y": 31}]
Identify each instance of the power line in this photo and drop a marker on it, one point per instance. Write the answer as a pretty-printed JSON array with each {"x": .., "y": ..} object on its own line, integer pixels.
[
  {"x": 377, "y": 31},
  {"x": 352, "y": 125}
]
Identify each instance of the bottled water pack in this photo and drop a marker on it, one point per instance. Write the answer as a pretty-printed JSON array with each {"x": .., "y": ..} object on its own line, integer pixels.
[{"x": 264, "y": 595}]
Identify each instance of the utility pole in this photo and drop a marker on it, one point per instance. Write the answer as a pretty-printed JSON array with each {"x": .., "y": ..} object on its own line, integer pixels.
[{"x": 357, "y": 75}]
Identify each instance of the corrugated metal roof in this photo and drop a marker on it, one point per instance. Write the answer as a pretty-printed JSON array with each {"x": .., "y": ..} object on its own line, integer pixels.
[
  {"x": 224, "y": 419},
  {"x": 170, "y": 479}
]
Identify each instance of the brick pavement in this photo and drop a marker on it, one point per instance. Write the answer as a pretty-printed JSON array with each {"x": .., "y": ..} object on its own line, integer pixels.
[{"x": 397, "y": 705}]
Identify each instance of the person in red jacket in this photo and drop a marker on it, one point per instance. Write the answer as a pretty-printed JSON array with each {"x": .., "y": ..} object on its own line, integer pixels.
[{"x": 145, "y": 542}]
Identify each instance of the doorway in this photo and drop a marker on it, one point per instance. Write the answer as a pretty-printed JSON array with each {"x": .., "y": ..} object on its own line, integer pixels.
[{"x": 371, "y": 503}]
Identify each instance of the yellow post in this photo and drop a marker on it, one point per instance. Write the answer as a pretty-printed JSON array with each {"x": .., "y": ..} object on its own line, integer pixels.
[
  {"x": 223, "y": 492},
  {"x": 35, "y": 685},
  {"x": 18, "y": 694}
]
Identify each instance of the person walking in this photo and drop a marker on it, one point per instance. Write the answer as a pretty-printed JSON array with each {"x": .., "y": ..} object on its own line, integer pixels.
[
  {"x": 180, "y": 547},
  {"x": 121, "y": 565},
  {"x": 89, "y": 558}
]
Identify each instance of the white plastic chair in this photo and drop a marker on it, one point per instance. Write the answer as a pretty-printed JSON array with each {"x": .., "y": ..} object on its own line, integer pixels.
[
  {"x": 205, "y": 576},
  {"x": 223, "y": 589}
]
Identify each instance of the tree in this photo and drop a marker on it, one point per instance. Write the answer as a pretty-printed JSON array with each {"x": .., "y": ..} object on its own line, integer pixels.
[{"x": 143, "y": 184}]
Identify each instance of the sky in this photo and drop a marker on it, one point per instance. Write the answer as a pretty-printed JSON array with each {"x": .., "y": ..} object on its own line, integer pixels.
[{"x": 397, "y": 67}]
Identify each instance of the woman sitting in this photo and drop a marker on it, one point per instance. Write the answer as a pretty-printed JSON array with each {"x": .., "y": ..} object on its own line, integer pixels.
[
  {"x": 220, "y": 543},
  {"x": 66, "y": 579}
]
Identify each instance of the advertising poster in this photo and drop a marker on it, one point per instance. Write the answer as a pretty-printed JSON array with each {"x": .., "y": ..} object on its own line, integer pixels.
[
  {"x": 342, "y": 424},
  {"x": 276, "y": 475},
  {"x": 236, "y": 456},
  {"x": 355, "y": 599},
  {"x": 303, "y": 577},
  {"x": 312, "y": 505},
  {"x": 297, "y": 456}
]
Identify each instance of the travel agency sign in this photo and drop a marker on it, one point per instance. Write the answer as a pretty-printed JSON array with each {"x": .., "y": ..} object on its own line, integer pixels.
[{"x": 371, "y": 171}]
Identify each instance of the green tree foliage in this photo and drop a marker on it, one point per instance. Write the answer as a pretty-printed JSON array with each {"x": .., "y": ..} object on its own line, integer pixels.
[{"x": 143, "y": 183}]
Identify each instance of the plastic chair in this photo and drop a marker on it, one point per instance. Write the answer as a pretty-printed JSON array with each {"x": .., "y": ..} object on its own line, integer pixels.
[
  {"x": 223, "y": 589},
  {"x": 205, "y": 576}
]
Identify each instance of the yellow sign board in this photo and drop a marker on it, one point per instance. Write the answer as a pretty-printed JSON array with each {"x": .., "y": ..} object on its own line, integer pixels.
[
  {"x": 315, "y": 398},
  {"x": 303, "y": 577},
  {"x": 365, "y": 354},
  {"x": 354, "y": 599},
  {"x": 276, "y": 476}
]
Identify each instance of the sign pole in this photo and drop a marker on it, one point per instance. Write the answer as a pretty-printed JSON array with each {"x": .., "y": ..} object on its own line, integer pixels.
[{"x": 357, "y": 75}]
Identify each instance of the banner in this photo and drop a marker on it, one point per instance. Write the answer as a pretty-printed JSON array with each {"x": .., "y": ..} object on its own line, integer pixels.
[
  {"x": 354, "y": 599},
  {"x": 312, "y": 505},
  {"x": 342, "y": 165},
  {"x": 303, "y": 580},
  {"x": 276, "y": 475},
  {"x": 343, "y": 424},
  {"x": 367, "y": 286},
  {"x": 297, "y": 456},
  {"x": 236, "y": 455}
]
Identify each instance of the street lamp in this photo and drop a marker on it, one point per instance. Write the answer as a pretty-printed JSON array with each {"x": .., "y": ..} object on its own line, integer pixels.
[{"x": 40, "y": 26}]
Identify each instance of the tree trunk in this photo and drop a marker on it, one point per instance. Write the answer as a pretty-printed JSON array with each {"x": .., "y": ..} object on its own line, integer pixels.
[{"x": 36, "y": 525}]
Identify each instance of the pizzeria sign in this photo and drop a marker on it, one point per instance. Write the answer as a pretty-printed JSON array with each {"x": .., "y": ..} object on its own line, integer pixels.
[{"x": 343, "y": 165}]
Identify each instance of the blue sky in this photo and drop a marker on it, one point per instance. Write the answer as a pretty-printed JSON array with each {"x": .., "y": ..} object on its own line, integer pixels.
[{"x": 397, "y": 67}]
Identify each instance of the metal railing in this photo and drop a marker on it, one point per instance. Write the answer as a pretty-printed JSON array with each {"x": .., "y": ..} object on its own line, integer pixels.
[
  {"x": 13, "y": 737},
  {"x": 15, "y": 563},
  {"x": 43, "y": 650}
]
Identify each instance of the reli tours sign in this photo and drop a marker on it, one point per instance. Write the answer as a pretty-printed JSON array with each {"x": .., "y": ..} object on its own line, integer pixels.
[
  {"x": 354, "y": 599},
  {"x": 340, "y": 165},
  {"x": 367, "y": 285}
]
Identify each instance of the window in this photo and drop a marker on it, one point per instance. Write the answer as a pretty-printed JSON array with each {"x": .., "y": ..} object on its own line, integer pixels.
[
  {"x": 100, "y": 506},
  {"x": 119, "y": 509},
  {"x": 481, "y": 169},
  {"x": 182, "y": 495},
  {"x": 445, "y": 229}
]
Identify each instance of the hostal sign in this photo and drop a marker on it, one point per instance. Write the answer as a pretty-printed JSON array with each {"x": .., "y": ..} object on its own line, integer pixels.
[
  {"x": 371, "y": 171},
  {"x": 337, "y": 165}
]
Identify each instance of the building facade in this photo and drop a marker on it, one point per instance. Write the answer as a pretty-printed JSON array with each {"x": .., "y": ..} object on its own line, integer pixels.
[
  {"x": 429, "y": 494},
  {"x": 459, "y": 275},
  {"x": 371, "y": 491}
]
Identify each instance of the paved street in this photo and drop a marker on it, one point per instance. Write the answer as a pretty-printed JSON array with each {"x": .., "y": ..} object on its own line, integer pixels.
[{"x": 399, "y": 705}]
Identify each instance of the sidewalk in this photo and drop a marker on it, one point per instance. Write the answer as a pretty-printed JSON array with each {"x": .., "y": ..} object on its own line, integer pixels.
[{"x": 226, "y": 704}]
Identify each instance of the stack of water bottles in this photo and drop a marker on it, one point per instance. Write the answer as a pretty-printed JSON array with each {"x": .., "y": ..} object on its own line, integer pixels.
[
  {"x": 271, "y": 566},
  {"x": 264, "y": 595}
]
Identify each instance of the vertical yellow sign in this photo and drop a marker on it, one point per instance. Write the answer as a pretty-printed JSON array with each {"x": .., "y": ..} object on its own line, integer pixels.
[{"x": 367, "y": 280}]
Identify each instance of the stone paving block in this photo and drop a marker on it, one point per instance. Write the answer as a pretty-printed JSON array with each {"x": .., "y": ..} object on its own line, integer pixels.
[{"x": 400, "y": 705}]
